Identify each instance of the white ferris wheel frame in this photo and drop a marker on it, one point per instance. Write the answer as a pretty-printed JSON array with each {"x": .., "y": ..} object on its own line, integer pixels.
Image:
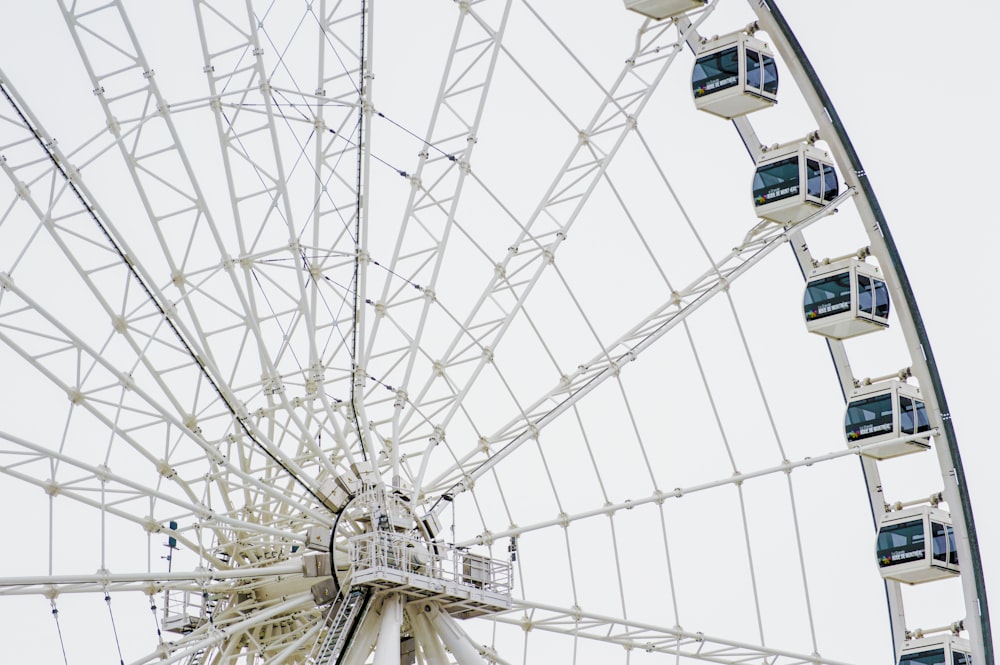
[{"x": 437, "y": 184}]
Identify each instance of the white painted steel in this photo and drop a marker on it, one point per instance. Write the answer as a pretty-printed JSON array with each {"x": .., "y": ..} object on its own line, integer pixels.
[
  {"x": 297, "y": 289},
  {"x": 879, "y": 248},
  {"x": 430, "y": 645},
  {"x": 455, "y": 639},
  {"x": 387, "y": 646}
]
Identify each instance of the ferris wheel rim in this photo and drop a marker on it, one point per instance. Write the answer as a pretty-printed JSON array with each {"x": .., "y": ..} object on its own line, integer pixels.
[
  {"x": 443, "y": 488},
  {"x": 976, "y": 599}
]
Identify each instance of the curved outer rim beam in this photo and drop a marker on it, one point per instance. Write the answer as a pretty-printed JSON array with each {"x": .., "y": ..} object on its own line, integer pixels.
[
  {"x": 925, "y": 366},
  {"x": 841, "y": 364}
]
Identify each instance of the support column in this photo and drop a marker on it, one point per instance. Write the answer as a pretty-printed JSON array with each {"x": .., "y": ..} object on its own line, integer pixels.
[
  {"x": 455, "y": 638},
  {"x": 387, "y": 647},
  {"x": 427, "y": 638}
]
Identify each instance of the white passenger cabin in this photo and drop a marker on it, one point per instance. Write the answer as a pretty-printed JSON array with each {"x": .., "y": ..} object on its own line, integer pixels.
[
  {"x": 792, "y": 182},
  {"x": 734, "y": 75},
  {"x": 845, "y": 299},
  {"x": 938, "y": 650},
  {"x": 916, "y": 545},
  {"x": 884, "y": 411},
  {"x": 660, "y": 9}
]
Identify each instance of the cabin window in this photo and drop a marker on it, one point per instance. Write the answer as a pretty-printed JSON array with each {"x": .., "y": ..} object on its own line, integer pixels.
[
  {"x": 753, "y": 69},
  {"x": 912, "y": 412},
  {"x": 829, "y": 183},
  {"x": 868, "y": 417},
  {"x": 900, "y": 543},
  {"x": 932, "y": 657},
  {"x": 762, "y": 72},
  {"x": 715, "y": 72},
  {"x": 943, "y": 543},
  {"x": 821, "y": 180},
  {"x": 873, "y": 297},
  {"x": 776, "y": 181},
  {"x": 828, "y": 296},
  {"x": 770, "y": 74}
]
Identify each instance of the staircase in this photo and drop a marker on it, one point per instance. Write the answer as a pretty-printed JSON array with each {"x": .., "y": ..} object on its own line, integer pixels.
[{"x": 342, "y": 621}]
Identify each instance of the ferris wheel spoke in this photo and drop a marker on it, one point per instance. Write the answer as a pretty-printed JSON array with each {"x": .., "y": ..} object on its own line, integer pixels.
[
  {"x": 154, "y": 354},
  {"x": 312, "y": 271},
  {"x": 436, "y": 189},
  {"x": 332, "y": 222},
  {"x": 308, "y": 408},
  {"x": 98, "y": 486},
  {"x": 531, "y": 253},
  {"x": 234, "y": 632},
  {"x": 659, "y": 497},
  {"x": 262, "y": 215},
  {"x": 213, "y": 581},
  {"x": 162, "y": 174},
  {"x": 611, "y": 361},
  {"x": 119, "y": 400},
  {"x": 139, "y": 119},
  {"x": 649, "y": 637}
]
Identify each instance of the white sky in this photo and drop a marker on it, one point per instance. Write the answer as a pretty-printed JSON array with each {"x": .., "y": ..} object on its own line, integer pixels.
[{"x": 912, "y": 83}]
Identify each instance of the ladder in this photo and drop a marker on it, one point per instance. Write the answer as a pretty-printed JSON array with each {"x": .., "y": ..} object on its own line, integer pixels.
[{"x": 342, "y": 621}]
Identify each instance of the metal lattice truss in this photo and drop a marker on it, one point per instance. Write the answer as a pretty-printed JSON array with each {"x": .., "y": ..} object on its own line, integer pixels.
[
  {"x": 634, "y": 635},
  {"x": 231, "y": 347},
  {"x": 472, "y": 348},
  {"x": 618, "y": 355}
]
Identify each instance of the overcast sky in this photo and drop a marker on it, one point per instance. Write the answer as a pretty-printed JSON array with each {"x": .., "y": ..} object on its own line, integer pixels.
[{"x": 912, "y": 84}]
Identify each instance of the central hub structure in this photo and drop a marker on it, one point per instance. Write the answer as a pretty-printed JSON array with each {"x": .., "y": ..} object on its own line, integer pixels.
[
  {"x": 379, "y": 543},
  {"x": 399, "y": 552},
  {"x": 463, "y": 584}
]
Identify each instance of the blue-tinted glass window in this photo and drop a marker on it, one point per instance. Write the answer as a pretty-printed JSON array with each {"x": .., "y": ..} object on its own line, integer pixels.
[
  {"x": 753, "y": 70},
  {"x": 960, "y": 658},
  {"x": 814, "y": 179},
  {"x": 912, "y": 411},
  {"x": 770, "y": 75},
  {"x": 900, "y": 543},
  {"x": 865, "y": 300},
  {"x": 869, "y": 417},
  {"x": 828, "y": 296},
  {"x": 881, "y": 299},
  {"x": 943, "y": 543},
  {"x": 931, "y": 657},
  {"x": 776, "y": 181},
  {"x": 716, "y": 71},
  {"x": 830, "y": 185},
  {"x": 873, "y": 297},
  {"x": 822, "y": 180}
]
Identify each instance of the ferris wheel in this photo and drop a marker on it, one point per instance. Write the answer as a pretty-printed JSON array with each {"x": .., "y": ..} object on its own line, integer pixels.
[{"x": 342, "y": 332}]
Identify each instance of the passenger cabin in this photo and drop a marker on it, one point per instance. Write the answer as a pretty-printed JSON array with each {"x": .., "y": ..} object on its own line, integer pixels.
[
  {"x": 660, "y": 9},
  {"x": 734, "y": 75},
  {"x": 938, "y": 650},
  {"x": 792, "y": 182},
  {"x": 845, "y": 299},
  {"x": 884, "y": 411},
  {"x": 916, "y": 545}
]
